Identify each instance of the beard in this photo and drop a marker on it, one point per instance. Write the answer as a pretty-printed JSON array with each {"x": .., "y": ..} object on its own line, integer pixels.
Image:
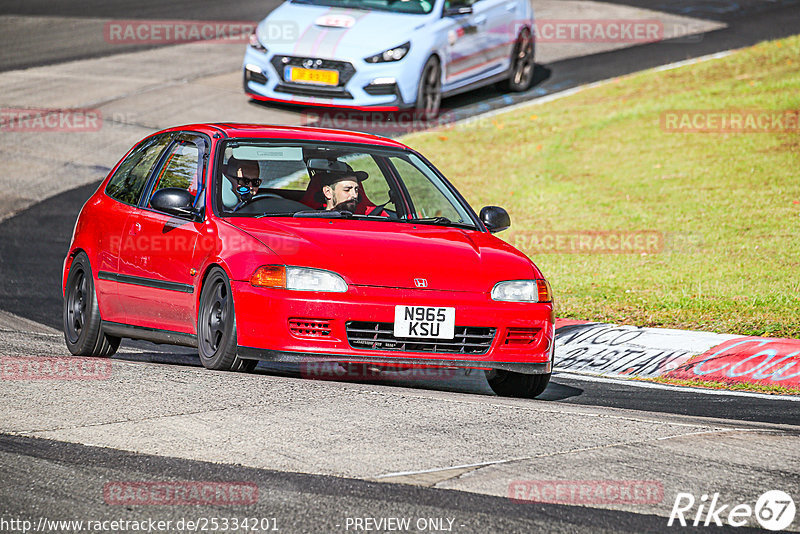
[{"x": 347, "y": 205}]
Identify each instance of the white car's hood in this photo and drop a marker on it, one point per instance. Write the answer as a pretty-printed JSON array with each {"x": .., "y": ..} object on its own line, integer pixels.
[{"x": 335, "y": 33}]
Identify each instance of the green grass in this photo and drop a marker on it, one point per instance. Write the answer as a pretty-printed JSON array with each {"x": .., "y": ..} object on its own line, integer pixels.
[
  {"x": 731, "y": 386},
  {"x": 727, "y": 205}
]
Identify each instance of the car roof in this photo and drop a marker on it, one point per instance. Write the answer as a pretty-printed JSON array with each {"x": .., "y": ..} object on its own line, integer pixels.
[{"x": 270, "y": 131}]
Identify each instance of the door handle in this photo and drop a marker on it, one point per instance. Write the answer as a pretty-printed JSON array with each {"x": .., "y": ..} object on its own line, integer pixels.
[
  {"x": 511, "y": 7},
  {"x": 480, "y": 20},
  {"x": 135, "y": 229}
]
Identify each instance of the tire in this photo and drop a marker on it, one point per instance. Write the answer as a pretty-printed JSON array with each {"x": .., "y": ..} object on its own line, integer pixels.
[
  {"x": 82, "y": 331},
  {"x": 244, "y": 366},
  {"x": 216, "y": 326},
  {"x": 522, "y": 64},
  {"x": 429, "y": 91},
  {"x": 510, "y": 384}
]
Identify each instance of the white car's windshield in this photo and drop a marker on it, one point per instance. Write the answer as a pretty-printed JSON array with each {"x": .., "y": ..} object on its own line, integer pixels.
[
  {"x": 419, "y": 7},
  {"x": 268, "y": 179}
]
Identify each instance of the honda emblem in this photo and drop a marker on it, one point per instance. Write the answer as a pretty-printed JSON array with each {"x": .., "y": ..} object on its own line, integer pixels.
[{"x": 420, "y": 282}]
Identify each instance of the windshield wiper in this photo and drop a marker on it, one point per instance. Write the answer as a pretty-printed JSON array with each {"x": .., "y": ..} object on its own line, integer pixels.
[
  {"x": 440, "y": 221},
  {"x": 323, "y": 214},
  {"x": 287, "y": 214}
]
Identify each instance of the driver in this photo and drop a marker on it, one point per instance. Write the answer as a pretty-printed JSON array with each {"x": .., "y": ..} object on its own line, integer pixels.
[
  {"x": 243, "y": 175},
  {"x": 341, "y": 190}
]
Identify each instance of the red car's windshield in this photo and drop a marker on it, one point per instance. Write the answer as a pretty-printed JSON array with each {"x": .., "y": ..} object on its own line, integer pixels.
[{"x": 257, "y": 179}]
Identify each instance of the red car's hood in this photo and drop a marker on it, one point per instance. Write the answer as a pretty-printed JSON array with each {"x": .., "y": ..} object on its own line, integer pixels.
[{"x": 388, "y": 254}]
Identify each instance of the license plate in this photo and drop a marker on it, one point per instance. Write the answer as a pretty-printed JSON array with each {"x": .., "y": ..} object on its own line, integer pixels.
[
  {"x": 319, "y": 76},
  {"x": 424, "y": 322}
]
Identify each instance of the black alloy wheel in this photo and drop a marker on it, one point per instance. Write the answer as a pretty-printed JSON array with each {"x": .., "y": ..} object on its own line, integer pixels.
[
  {"x": 82, "y": 325},
  {"x": 216, "y": 326}
]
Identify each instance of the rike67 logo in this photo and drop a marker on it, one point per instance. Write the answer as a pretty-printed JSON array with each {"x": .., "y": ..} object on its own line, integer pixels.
[{"x": 774, "y": 510}]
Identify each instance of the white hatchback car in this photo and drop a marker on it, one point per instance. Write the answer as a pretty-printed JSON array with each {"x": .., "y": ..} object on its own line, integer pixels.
[{"x": 388, "y": 55}]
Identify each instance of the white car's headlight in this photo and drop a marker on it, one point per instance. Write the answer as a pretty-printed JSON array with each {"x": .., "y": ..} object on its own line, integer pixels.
[
  {"x": 522, "y": 291},
  {"x": 255, "y": 42},
  {"x": 298, "y": 279},
  {"x": 393, "y": 54}
]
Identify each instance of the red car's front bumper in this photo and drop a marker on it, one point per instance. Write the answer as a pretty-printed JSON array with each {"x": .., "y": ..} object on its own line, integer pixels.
[{"x": 267, "y": 327}]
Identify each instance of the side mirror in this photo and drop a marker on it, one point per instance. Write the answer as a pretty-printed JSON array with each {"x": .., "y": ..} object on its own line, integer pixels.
[
  {"x": 495, "y": 218},
  {"x": 175, "y": 201},
  {"x": 458, "y": 10}
]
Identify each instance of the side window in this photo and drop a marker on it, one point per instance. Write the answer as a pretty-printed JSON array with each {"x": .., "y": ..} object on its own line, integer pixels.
[
  {"x": 429, "y": 199},
  {"x": 375, "y": 187},
  {"x": 128, "y": 182},
  {"x": 181, "y": 169}
]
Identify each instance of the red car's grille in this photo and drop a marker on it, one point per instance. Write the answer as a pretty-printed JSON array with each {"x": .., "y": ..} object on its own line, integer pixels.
[
  {"x": 310, "y": 327},
  {"x": 520, "y": 336},
  {"x": 380, "y": 336}
]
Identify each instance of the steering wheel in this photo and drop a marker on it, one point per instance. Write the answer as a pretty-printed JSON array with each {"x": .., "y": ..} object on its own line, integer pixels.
[
  {"x": 265, "y": 195},
  {"x": 243, "y": 203}
]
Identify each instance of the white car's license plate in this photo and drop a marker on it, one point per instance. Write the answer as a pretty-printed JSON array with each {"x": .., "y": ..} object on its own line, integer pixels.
[{"x": 424, "y": 322}]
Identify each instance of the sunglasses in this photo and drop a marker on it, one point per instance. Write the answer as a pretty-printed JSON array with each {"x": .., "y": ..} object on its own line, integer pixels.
[{"x": 248, "y": 181}]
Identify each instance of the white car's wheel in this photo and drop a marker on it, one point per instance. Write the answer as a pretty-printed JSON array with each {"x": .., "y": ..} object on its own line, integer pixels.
[
  {"x": 522, "y": 63},
  {"x": 429, "y": 93}
]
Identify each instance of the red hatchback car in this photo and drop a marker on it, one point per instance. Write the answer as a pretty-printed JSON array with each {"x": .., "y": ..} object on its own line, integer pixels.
[{"x": 291, "y": 244}]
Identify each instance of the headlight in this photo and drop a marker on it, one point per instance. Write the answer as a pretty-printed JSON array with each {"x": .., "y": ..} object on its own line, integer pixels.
[
  {"x": 255, "y": 43},
  {"x": 298, "y": 279},
  {"x": 523, "y": 291},
  {"x": 304, "y": 279},
  {"x": 393, "y": 54}
]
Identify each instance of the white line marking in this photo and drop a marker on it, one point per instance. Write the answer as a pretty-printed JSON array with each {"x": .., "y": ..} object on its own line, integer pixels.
[
  {"x": 684, "y": 389},
  {"x": 558, "y": 453}
]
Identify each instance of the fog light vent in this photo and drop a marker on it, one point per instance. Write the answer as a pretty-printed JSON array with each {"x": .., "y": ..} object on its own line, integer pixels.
[
  {"x": 256, "y": 76},
  {"x": 520, "y": 336},
  {"x": 310, "y": 327}
]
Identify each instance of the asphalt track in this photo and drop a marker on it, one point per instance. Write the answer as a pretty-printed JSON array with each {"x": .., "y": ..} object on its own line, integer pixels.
[
  {"x": 297, "y": 502},
  {"x": 33, "y": 243}
]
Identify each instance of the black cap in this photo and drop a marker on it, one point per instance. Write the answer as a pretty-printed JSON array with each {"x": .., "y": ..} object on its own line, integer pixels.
[{"x": 330, "y": 178}]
